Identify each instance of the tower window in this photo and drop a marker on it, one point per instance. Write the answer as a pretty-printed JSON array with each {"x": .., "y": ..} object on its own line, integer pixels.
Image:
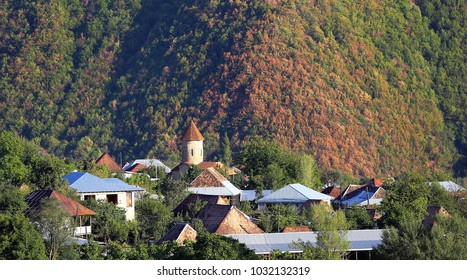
[{"x": 192, "y": 152}]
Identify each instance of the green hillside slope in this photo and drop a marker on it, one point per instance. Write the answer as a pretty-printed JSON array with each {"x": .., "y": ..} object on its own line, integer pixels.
[{"x": 357, "y": 84}]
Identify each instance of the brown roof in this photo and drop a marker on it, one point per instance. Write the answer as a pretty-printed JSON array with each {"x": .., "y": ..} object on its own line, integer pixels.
[
  {"x": 106, "y": 160},
  {"x": 192, "y": 133},
  {"x": 177, "y": 168},
  {"x": 184, "y": 207},
  {"x": 179, "y": 233},
  {"x": 72, "y": 207},
  {"x": 332, "y": 191},
  {"x": 226, "y": 219},
  {"x": 296, "y": 229},
  {"x": 138, "y": 167},
  {"x": 208, "y": 178},
  {"x": 433, "y": 211},
  {"x": 209, "y": 164},
  {"x": 375, "y": 215}
]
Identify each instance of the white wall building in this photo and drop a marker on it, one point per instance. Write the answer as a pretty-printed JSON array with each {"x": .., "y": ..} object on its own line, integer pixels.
[{"x": 112, "y": 190}]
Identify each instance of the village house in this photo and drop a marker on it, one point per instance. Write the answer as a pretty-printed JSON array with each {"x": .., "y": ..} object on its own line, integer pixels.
[
  {"x": 140, "y": 165},
  {"x": 180, "y": 232},
  {"x": 192, "y": 201},
  {"x": 211, "y": 182},
  {"x": 371, "y": 193},
  {"x": 112, "y": 190},
  {"x": 81, "y": 214},
  {"x": 295, "y": 195},
  {"x": 226, "y": 219},
  {"x": 252, "y": 195},
  {"x": 106, "y": 160},
  {"x": 333, "y": 191}
]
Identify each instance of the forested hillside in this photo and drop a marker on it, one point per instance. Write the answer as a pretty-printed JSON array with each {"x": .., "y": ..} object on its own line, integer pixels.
[{"x": 366, "y": 87}]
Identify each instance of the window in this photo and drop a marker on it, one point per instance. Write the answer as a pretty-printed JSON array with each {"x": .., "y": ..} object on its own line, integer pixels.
[
  {"x": 192, "y": 152},
  {"x": 88, "y": 197},
  {"x": 112, "y": 198}
]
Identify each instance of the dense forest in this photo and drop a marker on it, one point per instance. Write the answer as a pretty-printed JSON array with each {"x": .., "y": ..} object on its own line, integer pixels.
[{"x": 365, "y": 87}]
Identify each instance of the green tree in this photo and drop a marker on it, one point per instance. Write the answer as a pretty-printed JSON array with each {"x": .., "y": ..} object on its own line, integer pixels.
[
  {"x": 192, "y": 172},
  {"x": 412, "y": 241},
  {"x": 91, "y": 250},
  {"x": 174, "y": 192},
  {"x": 216, "y": 247},
  {"x": 115, "y": 251},
  {"x": 55, "y": 225},
  {"x": 331, "y": 240},
  {"x": 19, "y": 240},
  {"x": 406, "y": 198},
  {"x": 308, "y": 172},
  {"x": 153, "y": 217},
  {"x": 12, "y": 200},
  {"x": 110, "y": 221},
  {"x": 226, "y": 151},
  {"x": 47, "y": 172},
  {"x": 278, "y": 216},
  {"x": 271, "y": 166},
  {"x": 12, "y": 167},
  {"x": 358, "y": 218}
]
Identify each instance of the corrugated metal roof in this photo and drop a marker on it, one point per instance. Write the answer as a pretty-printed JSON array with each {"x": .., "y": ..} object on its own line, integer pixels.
[
  {"x": 84, "y": 182},
  {"x": 265, "y": 243},
  {"x": 373, "y": 201},
  {"x": 294, "y": 193},
  {"x": 451, "y": 186},
  {"x": 147, "y": 163},
  {"x": 227, "y": 190},
  {"x": 250, "y": 195}
]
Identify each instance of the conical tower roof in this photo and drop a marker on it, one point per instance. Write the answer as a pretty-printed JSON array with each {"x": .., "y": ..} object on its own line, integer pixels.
[{"x": 192, "y": 133}]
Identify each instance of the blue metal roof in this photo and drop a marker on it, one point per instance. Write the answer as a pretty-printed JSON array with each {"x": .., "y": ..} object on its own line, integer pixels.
[
  {"x": 84, "y": 182},
  {"x": 360, "y": 197}
]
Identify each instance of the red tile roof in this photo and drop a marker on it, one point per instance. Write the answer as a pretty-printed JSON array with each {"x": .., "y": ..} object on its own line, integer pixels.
[
  {"x": 192, "y": 133},
  {"x": 106, "y": 160},
  {"x": 72, "y": 207}
]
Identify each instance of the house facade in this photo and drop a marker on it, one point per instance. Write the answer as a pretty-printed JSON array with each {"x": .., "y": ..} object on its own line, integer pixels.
[
  {"x": 112, "y": 190},
  {"x": 81, "y": 214},
  {"x": 295, "y": 195}
]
